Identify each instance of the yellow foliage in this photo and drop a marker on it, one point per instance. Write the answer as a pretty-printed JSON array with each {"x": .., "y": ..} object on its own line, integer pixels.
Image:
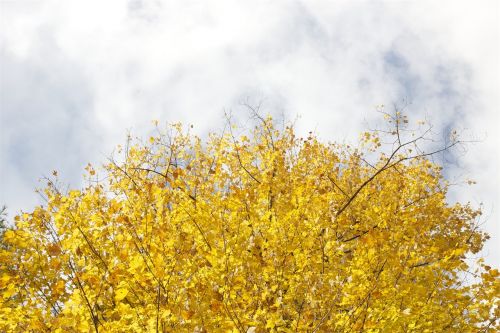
[{"x": 265, "y": 232}]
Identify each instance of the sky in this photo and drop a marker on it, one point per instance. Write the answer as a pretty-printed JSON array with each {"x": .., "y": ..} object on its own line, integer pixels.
[{"x": 75, "y": 76}]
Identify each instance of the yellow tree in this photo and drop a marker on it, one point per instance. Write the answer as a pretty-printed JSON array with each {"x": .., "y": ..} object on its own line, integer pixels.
[{"x": 264, "y": 232}]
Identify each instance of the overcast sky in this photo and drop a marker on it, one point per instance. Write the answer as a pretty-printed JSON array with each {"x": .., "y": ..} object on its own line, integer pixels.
[{"x": 76, "y": 75}]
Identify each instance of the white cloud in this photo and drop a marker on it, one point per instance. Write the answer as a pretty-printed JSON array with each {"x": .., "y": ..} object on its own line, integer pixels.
[{"x": 75, "y": 75}]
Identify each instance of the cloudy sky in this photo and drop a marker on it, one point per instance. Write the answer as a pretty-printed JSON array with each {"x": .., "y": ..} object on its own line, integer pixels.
[{"x": 76, "y": 75}]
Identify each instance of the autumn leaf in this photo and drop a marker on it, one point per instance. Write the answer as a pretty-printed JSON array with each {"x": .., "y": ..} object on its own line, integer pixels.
[{"x": 120, "y": 294}]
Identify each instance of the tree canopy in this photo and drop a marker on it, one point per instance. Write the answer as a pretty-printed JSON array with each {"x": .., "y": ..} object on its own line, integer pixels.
[{"x": 262, "y": 232}]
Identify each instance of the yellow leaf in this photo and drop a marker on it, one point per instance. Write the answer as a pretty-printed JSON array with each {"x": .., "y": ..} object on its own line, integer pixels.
[{"x": 121, "y": 294}]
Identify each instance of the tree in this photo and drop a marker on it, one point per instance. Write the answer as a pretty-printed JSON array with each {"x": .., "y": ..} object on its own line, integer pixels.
[
  {"x": 265, "y": 232},
  {"x": 3, "y": 220}
]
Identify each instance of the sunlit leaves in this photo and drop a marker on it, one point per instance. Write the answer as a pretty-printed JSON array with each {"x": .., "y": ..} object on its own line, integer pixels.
[{"x": 260, "y": 232}]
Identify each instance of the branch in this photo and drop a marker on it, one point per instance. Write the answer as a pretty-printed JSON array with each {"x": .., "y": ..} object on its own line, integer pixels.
[{"x": 389, "y": 164}]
